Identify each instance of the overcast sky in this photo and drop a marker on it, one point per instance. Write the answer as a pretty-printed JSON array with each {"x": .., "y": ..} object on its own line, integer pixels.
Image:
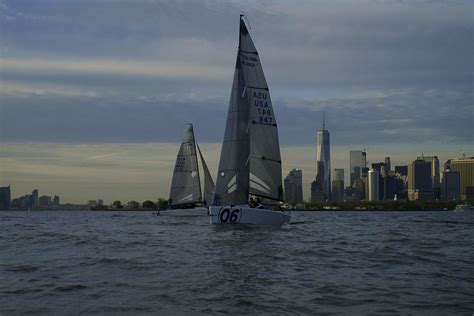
[{"x": 388, "y": 74}]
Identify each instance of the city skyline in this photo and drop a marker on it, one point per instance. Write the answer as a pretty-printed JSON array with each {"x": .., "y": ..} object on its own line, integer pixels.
[
  {"x": 129, "y": 172},
  {"x": 96, "y": 110}
]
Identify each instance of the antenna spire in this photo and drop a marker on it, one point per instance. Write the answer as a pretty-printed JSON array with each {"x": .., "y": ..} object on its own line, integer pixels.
[{"x": 324, "y": 123}]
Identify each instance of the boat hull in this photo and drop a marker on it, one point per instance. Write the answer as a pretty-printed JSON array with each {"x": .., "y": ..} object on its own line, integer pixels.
[
  {"x": 197, "y": 211},
  {"x": 243, "y": 214}
]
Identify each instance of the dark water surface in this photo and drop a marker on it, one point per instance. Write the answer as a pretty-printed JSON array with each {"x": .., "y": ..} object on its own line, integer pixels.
[{"x": 325, "y": 263}]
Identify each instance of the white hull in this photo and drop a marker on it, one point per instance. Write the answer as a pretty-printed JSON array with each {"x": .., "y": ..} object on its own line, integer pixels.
[
  {"x": 244, "y": 214},
  {"x": 197, "y": 211}
]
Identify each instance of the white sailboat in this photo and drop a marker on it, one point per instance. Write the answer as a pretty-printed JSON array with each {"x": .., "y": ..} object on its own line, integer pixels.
[
  {"x": 250, "y": 162},
  {"x": 186, "y": 197}
]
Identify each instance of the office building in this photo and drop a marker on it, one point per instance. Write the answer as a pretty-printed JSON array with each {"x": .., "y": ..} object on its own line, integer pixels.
[
  {"x": 56, "y": 200},
  {"x": 338, "y": 185},
  {"x": 420, "y": 183},
  {"x": 401, "y": 170},
  {"x": 339, "y": 174},
  {"x": 465, "y": 167},
  {"x": 358, "y": 160},
  {"x": 373, "y": 187},
  {"x": 323, "y": 155},
  {"x": 34, "y": 198},
  {"x": 450, "y": 185},
  {"x": 317, "y": 186},
  {"x": 5, "y": 198},
  {"x": 388, "y": 165},
  {"x": 434, "y": 173},
  {"x": 44, "y": 200},
  {"x": 294, "y": 187}
]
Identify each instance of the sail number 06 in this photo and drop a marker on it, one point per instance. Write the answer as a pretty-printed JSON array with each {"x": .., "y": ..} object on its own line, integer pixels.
[{"x": 229, "y": 215}]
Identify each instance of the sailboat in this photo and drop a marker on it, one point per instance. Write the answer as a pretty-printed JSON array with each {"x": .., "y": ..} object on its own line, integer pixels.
[
  {"x": 250, "y": 162},
  {"x": 185, "y": 192}
]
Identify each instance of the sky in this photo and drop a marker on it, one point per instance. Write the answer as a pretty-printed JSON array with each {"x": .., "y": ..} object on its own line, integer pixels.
[{"x": 95, "y": 96}]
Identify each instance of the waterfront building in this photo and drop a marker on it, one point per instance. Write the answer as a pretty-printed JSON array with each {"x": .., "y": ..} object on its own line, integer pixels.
[
  {"x": 434, "y": 173},
  {"x": 56, "y": 200},
  {"x": 23, "y": 202},
  {"x": 420, "y": 183},
  {"x": 337, "y": 190},
  {"x": 358, "y": 160},
  {"x": 294, "y": 187},
  {"x": 339, "y": 174},
  {"x": 323, "y": 155},
  {"x": 388, "y": 165},
  {"x": 34, "y": 198},
  {"x": 373, "y": 186},
  {"x": 450, "y": 185},
  {"x": 359, "y": 192},
  {"x": 317, "y": 186},
  {"x": 44, "y": 200},
  {"x": 465, "y": 166},
  {"x": 338, "y": 184},
  {"x": 5, "y": 198}
]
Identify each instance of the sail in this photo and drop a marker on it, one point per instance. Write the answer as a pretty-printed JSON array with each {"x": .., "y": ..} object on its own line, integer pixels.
[
  {"x": 185, "y": 185},
  {"x": 265, "y": 158},
  {"x": 209, "y": 186},
  {"x": 232, "y": 182},
  {"x": 250, "y": 160}
]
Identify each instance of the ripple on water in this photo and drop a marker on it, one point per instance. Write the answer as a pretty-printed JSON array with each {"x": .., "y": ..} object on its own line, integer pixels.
[{"x": 326, "y": 262}]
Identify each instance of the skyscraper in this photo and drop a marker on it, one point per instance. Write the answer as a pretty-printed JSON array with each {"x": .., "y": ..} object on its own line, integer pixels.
[
  {"x": 337, "y": 189},
  {"x": 465, "y": 167},
  {"x": 34, "y": 198},
  {"x": 294, "y": 187},
  {"x": 339, "y": 174},
  {"x": 434, "y": 172},
  {"x": 5, "y": 198},
  {"x": 323, "y": 154},
  {"x": 373, "y": 187},
  {"x": 450, "y": 185},
  {"x": 358, "y": 161},
  {"x": 388, "y": 164},
  {"x": 420, "y": 185},
  {"x": 317, "y": 190}
]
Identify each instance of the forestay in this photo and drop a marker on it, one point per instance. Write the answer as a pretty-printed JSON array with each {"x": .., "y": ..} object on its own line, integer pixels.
[{"x": 185, "y": 185}]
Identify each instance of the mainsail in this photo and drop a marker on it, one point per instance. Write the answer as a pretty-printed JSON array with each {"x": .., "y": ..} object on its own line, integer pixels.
[
  {"x": 209, "y": 186},
  {"x": 185, "y": 185},
  {"x": 250, "y": 160}
]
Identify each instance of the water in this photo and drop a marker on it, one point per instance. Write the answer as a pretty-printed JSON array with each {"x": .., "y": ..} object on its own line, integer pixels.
[{"x": 326, "y": 262}]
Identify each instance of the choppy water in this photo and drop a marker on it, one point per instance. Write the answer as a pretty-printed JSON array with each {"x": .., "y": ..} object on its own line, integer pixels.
[{"x": 326, "y": 262}]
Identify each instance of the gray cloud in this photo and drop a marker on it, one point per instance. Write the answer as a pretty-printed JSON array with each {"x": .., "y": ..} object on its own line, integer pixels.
[{"x": 128, "y": 71}]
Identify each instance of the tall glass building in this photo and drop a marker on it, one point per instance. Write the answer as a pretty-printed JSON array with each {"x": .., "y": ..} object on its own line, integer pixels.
[
  {"x": 323, "y": 155},
  {"x": 358, "y": 161}
]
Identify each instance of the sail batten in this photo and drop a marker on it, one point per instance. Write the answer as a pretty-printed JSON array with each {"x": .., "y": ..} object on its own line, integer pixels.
[{"x": 251, "y": 147}]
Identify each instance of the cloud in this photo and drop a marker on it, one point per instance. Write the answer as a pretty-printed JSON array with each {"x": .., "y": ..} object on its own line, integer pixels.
[
  {"x": 181, "y": 70},
  {"x": 104, "y": 72},
  {"x": 364, "y": 117}
]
